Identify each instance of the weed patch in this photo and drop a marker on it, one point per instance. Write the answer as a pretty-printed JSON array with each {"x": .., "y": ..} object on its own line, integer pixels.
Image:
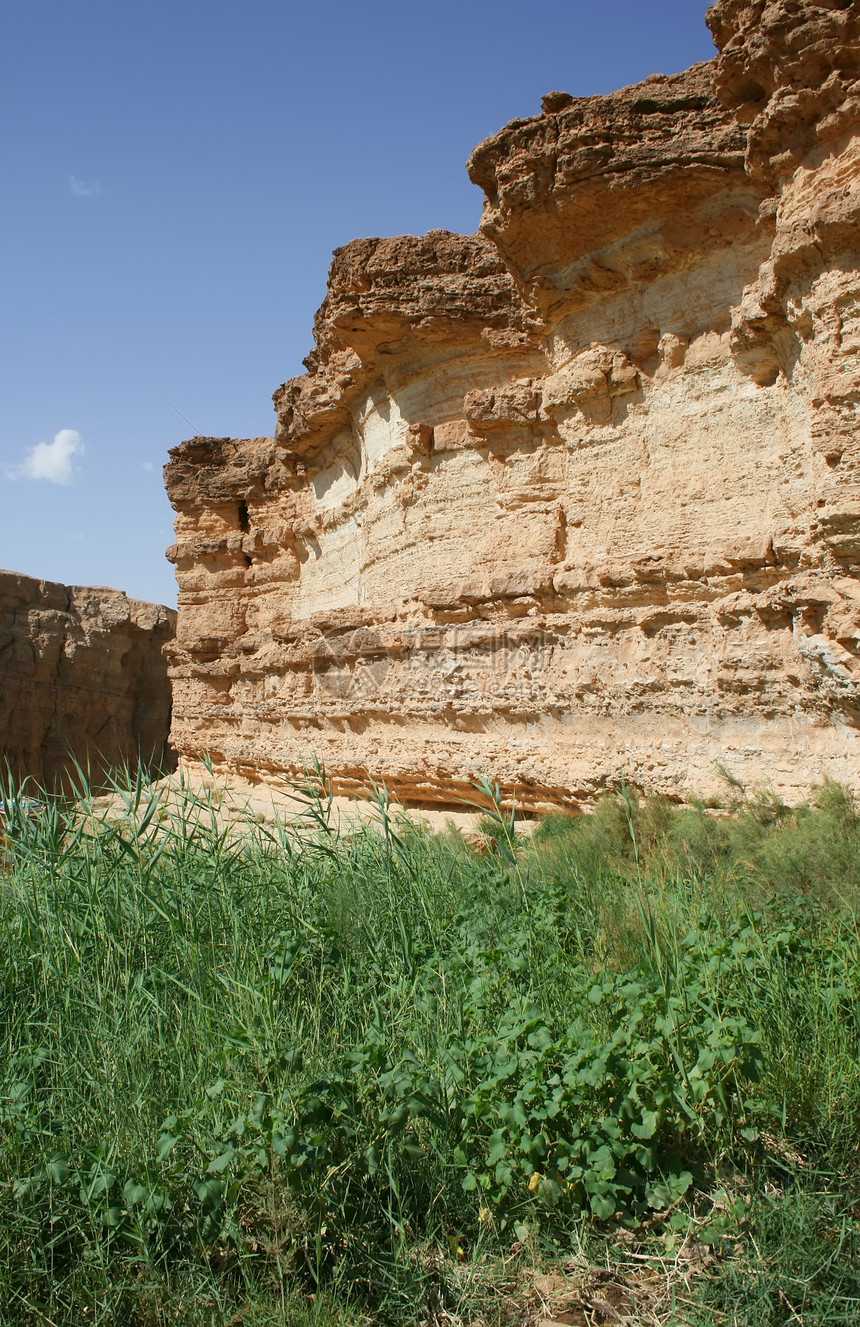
[{"x": 255, "y": 1074}]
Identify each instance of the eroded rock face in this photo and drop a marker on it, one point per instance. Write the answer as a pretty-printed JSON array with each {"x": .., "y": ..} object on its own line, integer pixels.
[
  {"x": 578, "y": 496},
  {"x": 82, "y": 675}
]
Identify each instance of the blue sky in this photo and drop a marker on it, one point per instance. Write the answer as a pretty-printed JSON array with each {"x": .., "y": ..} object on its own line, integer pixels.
[{"x": 176, "y": 176}]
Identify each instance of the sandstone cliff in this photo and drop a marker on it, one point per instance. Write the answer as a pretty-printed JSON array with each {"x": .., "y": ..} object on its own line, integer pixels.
[
  {"x": 83, "y": 675},
  {"x": 576, "y": 496}
]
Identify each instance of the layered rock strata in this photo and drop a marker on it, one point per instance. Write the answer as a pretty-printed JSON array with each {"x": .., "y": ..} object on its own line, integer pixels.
[
  {"x": 576, "y": 497},
  {"x": 82, "y": 677}
]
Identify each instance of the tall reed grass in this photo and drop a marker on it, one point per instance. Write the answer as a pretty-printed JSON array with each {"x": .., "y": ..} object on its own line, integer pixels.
[{"x": 256, "y": 1073}]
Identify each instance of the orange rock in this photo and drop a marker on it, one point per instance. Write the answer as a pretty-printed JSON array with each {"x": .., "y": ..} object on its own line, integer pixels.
[
  {"x": 589, "y": 479},
  {"x": 82, "y": 677}
]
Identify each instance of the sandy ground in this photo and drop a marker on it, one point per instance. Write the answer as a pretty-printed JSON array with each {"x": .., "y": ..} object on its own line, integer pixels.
[{"x": 235, "y": 800}]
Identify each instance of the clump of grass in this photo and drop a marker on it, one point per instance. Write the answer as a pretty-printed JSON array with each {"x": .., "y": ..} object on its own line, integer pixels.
[
  {"x": 256, "y": 1073},
  {"x": 799, "y": 1262}
]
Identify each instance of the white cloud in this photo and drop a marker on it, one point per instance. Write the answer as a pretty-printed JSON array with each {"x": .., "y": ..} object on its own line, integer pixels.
[
  {"x": 81, "y": 189},
  {"x": 51, "y": 460},
  {"x": 148, "y": 466}
]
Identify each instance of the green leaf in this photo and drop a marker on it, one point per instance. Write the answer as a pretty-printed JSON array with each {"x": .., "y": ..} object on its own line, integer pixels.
[
  {"x": 503, "y": 1175},
  {"x": 58, "y": 1170},
  {"x": 397, "y": 1119},
  {"x": 134, "y": 1193},
  {"x": 102, "y": 1182},
  {"x": 260, "y": 1109},
  {"x": 220, "y": 1162},
  {"x": 166, "y": 1144},
  {"x": 602, "y": 1205},
  {"x": 498, "y": 1148},
  {"x": 648, "y": 1127},
  {"x": 549, "y": 1191},
  {"x": 209, "y": 1192},
  {"x": 658, "y": 1195},
  {"x": 680, "y": 1183},
  {"x": 468, "y": 1182}
]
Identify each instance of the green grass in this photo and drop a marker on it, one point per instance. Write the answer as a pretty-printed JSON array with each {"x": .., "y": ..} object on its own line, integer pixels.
[{"x": 256, "y": 1074}]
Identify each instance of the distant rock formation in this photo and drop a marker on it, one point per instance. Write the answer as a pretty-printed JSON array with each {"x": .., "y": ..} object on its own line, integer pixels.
[
  {"x": 82, "y": 675},
  {"x": 576, "y": 497}
]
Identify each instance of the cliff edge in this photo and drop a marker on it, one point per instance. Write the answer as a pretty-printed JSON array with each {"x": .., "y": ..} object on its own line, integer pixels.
[
  {"x": 576, "y": 496},
  {"x": 82, "y": 677}
]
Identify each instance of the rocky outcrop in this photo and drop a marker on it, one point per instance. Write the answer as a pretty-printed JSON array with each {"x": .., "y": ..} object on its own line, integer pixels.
[
  {"x": 576, "y": 497},
  {"x": 82, "y": 677}
]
